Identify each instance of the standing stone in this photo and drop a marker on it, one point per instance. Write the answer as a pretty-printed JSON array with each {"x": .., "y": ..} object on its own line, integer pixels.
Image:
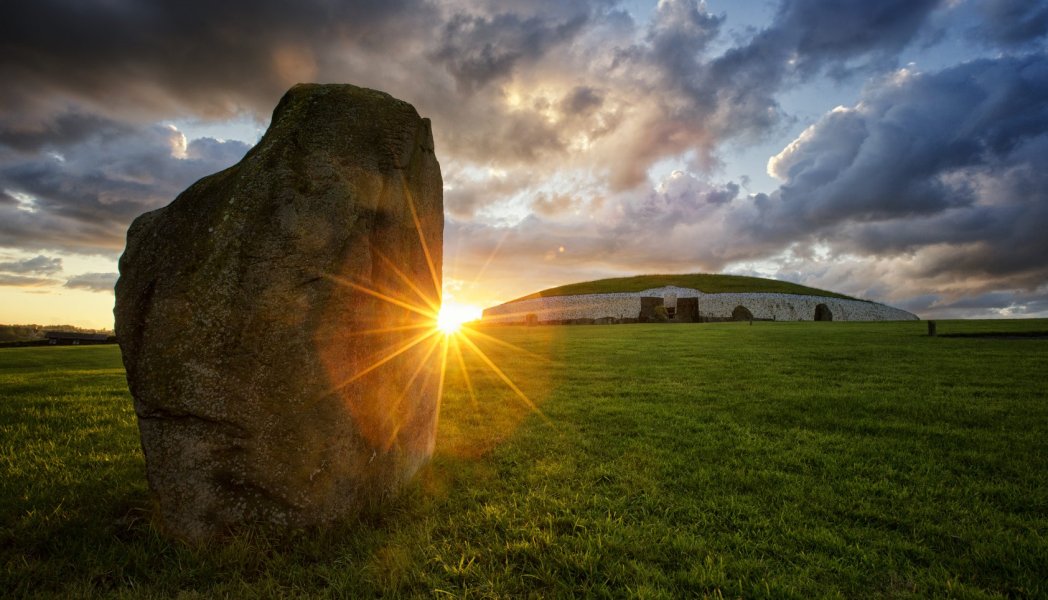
[
  {"x": 687, "y": 310},
  {"x": 248, "y": 335}
]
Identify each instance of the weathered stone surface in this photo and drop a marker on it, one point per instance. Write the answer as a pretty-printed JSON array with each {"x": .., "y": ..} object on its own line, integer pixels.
[
  {"x": 687, "y": 310},
  {"x": 648, "y": 304},
  {"x": 247, "y": 350}
]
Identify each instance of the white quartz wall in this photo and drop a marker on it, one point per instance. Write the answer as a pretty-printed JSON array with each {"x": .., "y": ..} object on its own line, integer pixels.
[
  {"x": 793, "y": 307},
  {"x": 559, "y": 308},
  {"x": 780, "y": 307}
]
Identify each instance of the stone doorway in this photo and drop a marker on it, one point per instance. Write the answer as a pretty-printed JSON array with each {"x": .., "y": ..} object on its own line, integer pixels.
[
  {"x": 741, "y": 313},
  {"x": 823, "y": 313}
]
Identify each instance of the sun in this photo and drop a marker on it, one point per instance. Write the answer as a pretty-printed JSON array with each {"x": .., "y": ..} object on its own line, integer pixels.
[{"x": 451, "y": 316}]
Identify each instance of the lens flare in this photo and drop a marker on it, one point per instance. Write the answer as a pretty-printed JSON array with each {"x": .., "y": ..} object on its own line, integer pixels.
[
  {"x": 452, "y": 316},
  {"x": 440, "y": 326}
]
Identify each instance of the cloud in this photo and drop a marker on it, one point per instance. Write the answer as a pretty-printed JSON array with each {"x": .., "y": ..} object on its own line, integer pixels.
[
  {"x": 705, "y": 101},
  {"x": 24, "y": 281},
  {"x": 67, "y": 127},
  {"x": 1011, "y": 23},
  {"x": 581, "y": 100},
  {"x": 677, "y": 226},
  {"x": 949, "y": 169},
  {"x": 477, "y": 50},
  {"x": 40, "y": 264},
  {"x": 822, "y": 34},
  {"x": 553, "y": 204},
  {"x": 577, "y": 70},
  {"x": 172, "y": 57},
  {"x": 1011, "y": 304},
  {"x": 679, "y": 33},
  {"x": 931, "y": 189},
  {"x": 556, "y": 124},
  {"x": 81, "y": 195},
  {"x": 32, "y": 272},
  {"x": 208, "y": 151},
  {"x": 93, "y": 282},
  {"x": 467, "y": 190},
  {"x": 805, "y": 38}
]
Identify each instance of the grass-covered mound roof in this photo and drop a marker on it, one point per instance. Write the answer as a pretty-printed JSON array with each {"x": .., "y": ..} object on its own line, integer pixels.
[{"x": 704, "y": 282}]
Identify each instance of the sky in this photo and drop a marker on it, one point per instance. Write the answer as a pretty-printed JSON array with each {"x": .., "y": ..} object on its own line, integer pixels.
[{"x": 894, "y": 150}]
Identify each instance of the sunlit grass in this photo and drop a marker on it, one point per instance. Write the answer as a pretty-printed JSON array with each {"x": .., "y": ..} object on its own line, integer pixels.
[{"x": 772, "y": 460}]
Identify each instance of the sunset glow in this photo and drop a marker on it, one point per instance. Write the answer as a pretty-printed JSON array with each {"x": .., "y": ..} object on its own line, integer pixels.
[
  {"x": 845, "y": 146},
  {"x": 452, "y": 316}
]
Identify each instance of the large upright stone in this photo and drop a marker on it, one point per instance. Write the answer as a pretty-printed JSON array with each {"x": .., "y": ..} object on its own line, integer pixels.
[{"x": 270, "y": 386}]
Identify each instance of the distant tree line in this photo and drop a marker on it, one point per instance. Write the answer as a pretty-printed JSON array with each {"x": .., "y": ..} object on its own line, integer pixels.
[{"x": 26, "y": 333}]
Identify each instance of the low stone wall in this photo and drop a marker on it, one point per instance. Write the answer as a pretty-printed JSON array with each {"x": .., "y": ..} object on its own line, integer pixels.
[{"x": 765, "y": 306}]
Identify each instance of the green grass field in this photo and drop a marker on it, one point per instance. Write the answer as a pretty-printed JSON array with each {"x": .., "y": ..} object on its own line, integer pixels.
[
  {"x": 705, "y": 282},
  {"x": 724, "y": 460}
]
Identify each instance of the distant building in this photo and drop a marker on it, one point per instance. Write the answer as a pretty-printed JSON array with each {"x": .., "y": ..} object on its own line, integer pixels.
[{"x": 685, "y": 305}]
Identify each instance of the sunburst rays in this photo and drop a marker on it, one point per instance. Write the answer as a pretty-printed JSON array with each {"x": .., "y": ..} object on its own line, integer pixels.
[
  {"x": 451, "y": 336},
  {"x": 431, "y": 336}
]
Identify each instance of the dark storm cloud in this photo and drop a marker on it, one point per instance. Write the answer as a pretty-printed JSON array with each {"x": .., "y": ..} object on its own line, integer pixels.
[
  {"x": 705, "y": 101},
  {"x": 831, "y": 33},
  {"x": 80, "y": 93},
  {"x": 93, "y": 65},
  {"x": 805, "y": 38},
  {"x": 81, "y": 196},
  {"x": 64, "y": 128},
  {"x": 949, "y": 167},
  {"x": 40, "y": 264},
  {"x": 1001, "y": 304},
  {"x": 1012, "y": 23},
  {"x": 210, "y": 57},
  {"x": 477, "y": 50},
  {"x": 93, "y": 282}
]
